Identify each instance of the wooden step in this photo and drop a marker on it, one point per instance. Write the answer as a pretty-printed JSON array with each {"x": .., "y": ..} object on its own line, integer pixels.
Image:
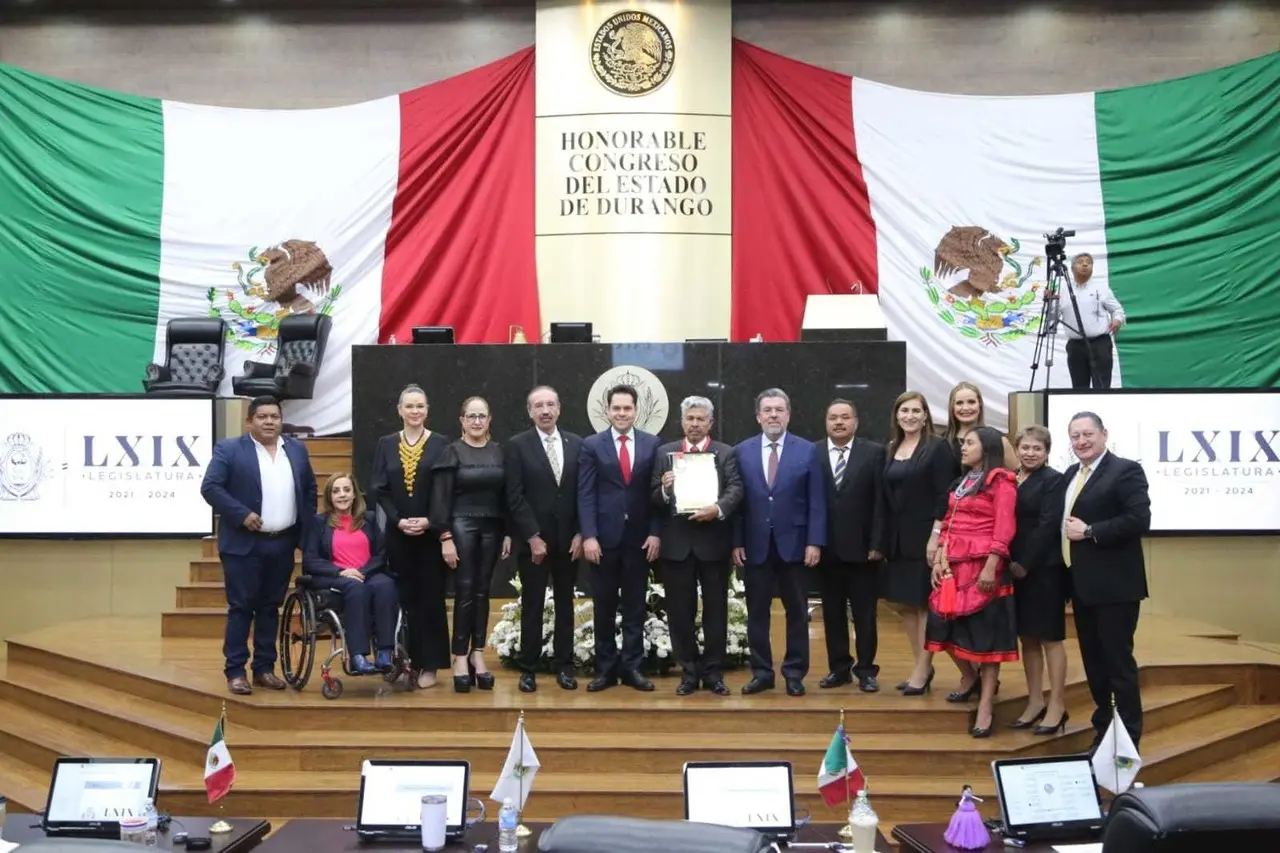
[
  {"x": 1172, "y": 752},
  {"x": 328, "y": 445},
  {"x": 57, "y": 701},
  {"x": 1259, "y": 765}
]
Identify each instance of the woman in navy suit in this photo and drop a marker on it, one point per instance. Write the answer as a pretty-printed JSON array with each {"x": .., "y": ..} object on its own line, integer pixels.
[{"x": 344, "y": 546}]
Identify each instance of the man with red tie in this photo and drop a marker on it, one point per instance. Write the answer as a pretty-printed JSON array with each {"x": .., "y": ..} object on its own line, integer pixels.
[{"x": 619, "y": 537}]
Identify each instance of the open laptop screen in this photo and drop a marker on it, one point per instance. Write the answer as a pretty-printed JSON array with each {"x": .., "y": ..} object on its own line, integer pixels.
[
  {"x": 756, "y": 795},
  {"x": 1048, "y": 797},
  {"x": 89, "y": 796},
  {"x": 391, "y": 794}
]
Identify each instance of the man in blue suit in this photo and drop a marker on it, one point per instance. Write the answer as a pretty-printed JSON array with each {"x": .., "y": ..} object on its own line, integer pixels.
[
  {"x": 619, "y": 537},
  {"x": 779, "y": 532},
  {"x": 264, "y": 491}
]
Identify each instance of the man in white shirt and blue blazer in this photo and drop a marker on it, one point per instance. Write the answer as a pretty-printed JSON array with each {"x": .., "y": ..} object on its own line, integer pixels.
[{"x": 264, "y": 490}]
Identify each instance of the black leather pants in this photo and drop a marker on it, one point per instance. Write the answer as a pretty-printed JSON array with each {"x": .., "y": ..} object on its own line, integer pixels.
[{"x": 479, "y": 543}]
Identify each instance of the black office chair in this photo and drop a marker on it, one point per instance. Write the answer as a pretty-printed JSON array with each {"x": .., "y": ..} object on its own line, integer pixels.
[
  {"x": 1194, "y": 818},
  {"x": 192, "y": 361},
  {"x": 300, "y": 350}
]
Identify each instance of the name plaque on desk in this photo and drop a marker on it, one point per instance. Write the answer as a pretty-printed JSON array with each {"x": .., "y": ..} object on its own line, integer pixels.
[{"x": 697, "y": 481}]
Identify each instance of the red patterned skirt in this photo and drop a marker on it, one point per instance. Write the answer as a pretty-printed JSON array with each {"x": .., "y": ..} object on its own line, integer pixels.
[{"x": 971, "y": 624}]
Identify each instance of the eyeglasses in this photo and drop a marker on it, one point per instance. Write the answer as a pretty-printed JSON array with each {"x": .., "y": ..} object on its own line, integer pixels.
[{"x": 473, "y": 416}]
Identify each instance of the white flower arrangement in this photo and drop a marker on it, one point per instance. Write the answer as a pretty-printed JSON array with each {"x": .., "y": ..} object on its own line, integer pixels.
[{"x": 505, "y": 636}]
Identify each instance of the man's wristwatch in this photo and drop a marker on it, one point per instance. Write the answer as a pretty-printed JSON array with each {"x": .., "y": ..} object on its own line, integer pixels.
[{"x": 1088, "y": 531}]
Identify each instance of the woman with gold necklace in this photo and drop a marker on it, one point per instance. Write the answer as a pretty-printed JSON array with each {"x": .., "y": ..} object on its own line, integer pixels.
[{"x": 402, "y": 474}]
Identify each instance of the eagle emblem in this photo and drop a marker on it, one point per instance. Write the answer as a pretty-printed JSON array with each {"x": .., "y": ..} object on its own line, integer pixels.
[
  {"x": 632, "y": 53},
  {"x": 979, "y": 287},
  {"x": 293, "y": 277},
  {"x": 23, "y": 467}
]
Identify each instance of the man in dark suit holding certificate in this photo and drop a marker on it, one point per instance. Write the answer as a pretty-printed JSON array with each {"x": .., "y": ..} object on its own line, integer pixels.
[
  {"x": 1106, "y": 512},
  {"x": 264, "y": 490},
  {"x": 778, "y": 535},
  {"x": 695, "y": 548}
]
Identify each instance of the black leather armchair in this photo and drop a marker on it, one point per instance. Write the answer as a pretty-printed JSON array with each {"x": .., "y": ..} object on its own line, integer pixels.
[
  {"x": 193, "y": 359},
  {"x": 1194, "y": 818},
  {"x": 292, "y": 376}
]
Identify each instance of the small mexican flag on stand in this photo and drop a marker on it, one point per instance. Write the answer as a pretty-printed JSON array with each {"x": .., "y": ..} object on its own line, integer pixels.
[
  {"x": 839, "y": 776},
  {"x": 219, "y": 769}
]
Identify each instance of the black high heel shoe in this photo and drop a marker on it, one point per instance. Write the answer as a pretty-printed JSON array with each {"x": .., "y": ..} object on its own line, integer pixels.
[
  {"x": 462, "y": 684},
  {"x": 984, "y": 731},
  {"x": 482, "y": 680},
  {"x": 1059, "y": 727},
  {"x": 1026, "y": 724},
  {"x": 909, "y": 690},
  {"x": 974, "y": 689}
]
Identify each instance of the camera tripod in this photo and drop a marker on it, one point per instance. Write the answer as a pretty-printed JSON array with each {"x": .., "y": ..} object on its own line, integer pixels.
[{"x": 1056, "y": 280}]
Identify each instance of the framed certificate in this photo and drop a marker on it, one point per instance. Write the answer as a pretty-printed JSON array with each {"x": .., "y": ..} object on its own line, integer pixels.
[{"x": 697, "y": 482}]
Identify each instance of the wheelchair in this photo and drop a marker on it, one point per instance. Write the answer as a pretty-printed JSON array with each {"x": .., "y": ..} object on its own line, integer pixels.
[{"x": 311, "y": 612}]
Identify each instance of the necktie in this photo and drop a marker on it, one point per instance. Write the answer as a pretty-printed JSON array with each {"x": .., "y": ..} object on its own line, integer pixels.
[
  {"x": 839, "y": 472},
  {"x": 553, "y": 456},
  {"x": 773, "y": 463},
  {"x": 1071, "y": 502},
  {"x": 624, "y": 459}
]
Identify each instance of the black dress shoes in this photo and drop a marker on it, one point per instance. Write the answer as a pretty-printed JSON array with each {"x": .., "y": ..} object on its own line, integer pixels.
[
  {"x": 836, "y": 678},
  {"x": 601, "y": 682},
  {"x": 718, "y": 687},
  {"x": 757, "y": 685},
  {"x": 528, "y": 683},
  {"x": 637, "y": 681},
  {"x": 868, "y": 684},
  {"x": 687, "y": 687},
  {"x": 795, "y": 687},
  {"x": 567, "y": 681}
]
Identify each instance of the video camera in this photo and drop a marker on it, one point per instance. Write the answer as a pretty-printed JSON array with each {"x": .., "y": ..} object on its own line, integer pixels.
[{"x": 1055, "y": 246}]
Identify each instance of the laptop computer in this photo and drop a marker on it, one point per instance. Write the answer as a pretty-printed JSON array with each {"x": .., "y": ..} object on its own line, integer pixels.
[
  {"x": 757, "y": 795},
  {"x": 89, "y": 796},
  {"x": 1050, "y": 798},
  {"x": 391, "y": 793}
]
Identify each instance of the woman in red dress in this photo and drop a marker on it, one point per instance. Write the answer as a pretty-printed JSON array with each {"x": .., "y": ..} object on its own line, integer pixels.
[{"x": 971, "y": 615}]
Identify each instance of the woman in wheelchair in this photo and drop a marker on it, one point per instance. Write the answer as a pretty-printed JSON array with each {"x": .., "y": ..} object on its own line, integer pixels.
[{"x": 343, "y": 546}]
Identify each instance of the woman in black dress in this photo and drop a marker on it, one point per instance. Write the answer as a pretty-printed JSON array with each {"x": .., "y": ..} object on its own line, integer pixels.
[
  {"x": 468, "y": 508},
  {"x": 918, "y": 472},
  {"x": 402, "y": 472},
  {"x": 1040, "y": 584}
]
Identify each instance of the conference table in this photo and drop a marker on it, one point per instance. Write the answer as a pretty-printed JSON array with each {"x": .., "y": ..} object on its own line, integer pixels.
[
  {"x": 246, "y": 832},
  {"x": 927, "y": 838},
  {"x": 332, "y": 836}
]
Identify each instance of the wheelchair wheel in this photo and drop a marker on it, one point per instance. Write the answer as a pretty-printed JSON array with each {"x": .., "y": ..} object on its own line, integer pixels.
[
  {"x": 297, "y": 639},
  {"x": 331, "y": 689},
  {"x": 400, "y": 663}
]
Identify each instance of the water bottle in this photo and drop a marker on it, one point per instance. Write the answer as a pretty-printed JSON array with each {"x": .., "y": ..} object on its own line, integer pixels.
[
  {"x": 393, "y": 339},
  {"x": 4, "y": 802},
  {"x": 864, "y": 822},
  {"x": 508, "y": 819},
  {"x": 153, "y": 822}
]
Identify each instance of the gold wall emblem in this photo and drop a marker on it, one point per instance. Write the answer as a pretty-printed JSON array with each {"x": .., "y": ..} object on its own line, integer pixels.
[{"x": 632, "y": 53}]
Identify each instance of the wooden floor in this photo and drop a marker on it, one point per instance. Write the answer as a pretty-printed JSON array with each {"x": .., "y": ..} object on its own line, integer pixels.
[{"x": 116, "y": 686}]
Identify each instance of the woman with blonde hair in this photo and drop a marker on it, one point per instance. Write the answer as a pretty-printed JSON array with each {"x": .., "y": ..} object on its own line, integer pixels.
[
  {"x": 402, "y": 471},
  {"x": 343, "y": 545},
  {"x": 1040, "y": 584},
  {"x": 965, "y": 411},
  {"x": 469, "y": 510},
  {"x": 919, "y": 468}
]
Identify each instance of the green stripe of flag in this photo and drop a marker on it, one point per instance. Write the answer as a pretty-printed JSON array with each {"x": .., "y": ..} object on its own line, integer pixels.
[
  {"x": 1190, "y": 174},
  {"x": 82, "y": 184}
]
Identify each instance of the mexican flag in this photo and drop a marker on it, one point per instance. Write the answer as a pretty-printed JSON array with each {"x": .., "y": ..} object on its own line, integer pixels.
[
  {"x": 219, "y": 769},
  {"x": 123, "y": 212},
  {"x": 839, "y": 778},
  {"x": 940, "y": 203}
]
